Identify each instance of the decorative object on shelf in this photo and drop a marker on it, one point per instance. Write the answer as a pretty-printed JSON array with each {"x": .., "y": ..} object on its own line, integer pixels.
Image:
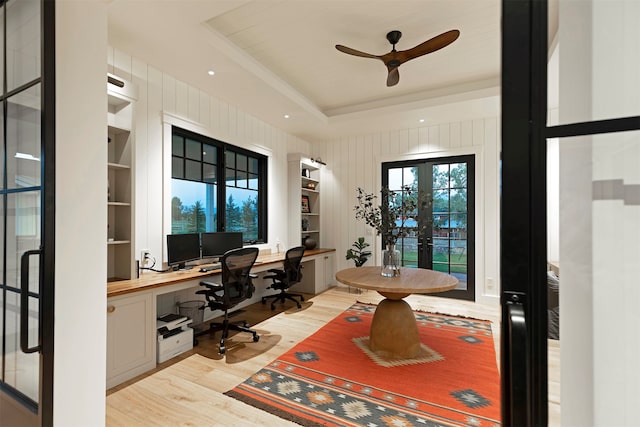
[
  {"x": 358, "y": 254},
  {"x": 389, "y": 219},
  {"x": 305, "y": 224},
  {"x": 311, "y": 185},
  {"x": 305, "y": 172},
  {"x": 306, "y": 207},
  {"x": 309, "y": 242}
]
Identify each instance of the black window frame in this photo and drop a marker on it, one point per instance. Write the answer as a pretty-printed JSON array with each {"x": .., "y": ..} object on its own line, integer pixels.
[{"x": 219, "y": 165}]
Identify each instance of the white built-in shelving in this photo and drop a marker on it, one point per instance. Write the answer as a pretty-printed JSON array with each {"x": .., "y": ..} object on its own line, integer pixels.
[{"x": 121, "y": 96}]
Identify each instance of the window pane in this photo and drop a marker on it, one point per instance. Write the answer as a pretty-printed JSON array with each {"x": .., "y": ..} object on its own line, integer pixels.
[
  {"x": 193, "y": 170},
  {"x": 441, "y": 201},
  {"x": 253, "y": 165},
  {"x": 441, "y": 176},
  {"x": 193, "y": 149},
  {"x": 209, "y": 173},
  {"x": 177, "y": 146},
  {"x": 458, "y": 226},
  {"x": 242, "y": 212},
  {"x": 242, "y": 179},
  {"x": 1, "y": 62},
  {"x": 253, "y": 182},
  {"x": 241, "y": 162},
  {"x": 23, "y": 42},
  {"x": 458, "y": 175},
  {"x": 395, "y": 179},
  {"x": 192, "y": 207},
  {"x": 458, "y": 201},
  {"x": 441, "y": 225},
  {"x": 209, "y": 154},
  {"x": 230, "y": 159},
  {"x": 23, "y": 139},
  {"x": 230, "y": 177},
  {"x": 177, "y": 167}
]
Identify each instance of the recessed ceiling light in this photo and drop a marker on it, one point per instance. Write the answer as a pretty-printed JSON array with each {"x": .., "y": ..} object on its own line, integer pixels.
[
  {"x": 421, "y": 120},
  {"x": 286, "y": 116},
  {"x": 211, "y": 72}
]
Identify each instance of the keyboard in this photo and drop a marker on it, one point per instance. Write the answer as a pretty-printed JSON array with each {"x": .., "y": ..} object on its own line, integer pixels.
[{"x": 211, "y": 267}]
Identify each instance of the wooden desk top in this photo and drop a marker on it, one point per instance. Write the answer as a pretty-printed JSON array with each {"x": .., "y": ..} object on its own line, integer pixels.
[
  {"x": 410, "y": 280},
  {"x": 151, "y": 279}
]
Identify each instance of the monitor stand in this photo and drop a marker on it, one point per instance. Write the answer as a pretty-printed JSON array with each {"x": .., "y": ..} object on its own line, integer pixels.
[{"x": 181, "y": 266}]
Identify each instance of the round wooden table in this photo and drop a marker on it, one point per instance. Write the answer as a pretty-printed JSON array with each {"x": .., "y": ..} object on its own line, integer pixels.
[{"x": 394, "y": 332}]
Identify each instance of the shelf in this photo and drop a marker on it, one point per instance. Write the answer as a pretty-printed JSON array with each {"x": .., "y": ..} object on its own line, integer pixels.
[
  {"x": 115, "y": 129},
  {"x": 305, "y": 179},
  {"x": 310, "y": 231},
  {"x": 309, "y": 214},
  {"x": 119, "y": 204},
  {"x": 119, "y": 242},
  {"x": 309, "y": 190},
  {"x": 118, "y": 166}
]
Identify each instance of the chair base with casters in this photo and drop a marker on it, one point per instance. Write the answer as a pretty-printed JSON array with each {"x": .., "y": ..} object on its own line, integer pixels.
[
  {"x": 225, "y": 326},
  {"x": 282, "y": 296}
]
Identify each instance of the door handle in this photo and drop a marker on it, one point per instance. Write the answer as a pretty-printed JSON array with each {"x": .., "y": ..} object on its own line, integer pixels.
[
  {"x": 519, "y": 366},
  {"x": 24, "y": 303}
]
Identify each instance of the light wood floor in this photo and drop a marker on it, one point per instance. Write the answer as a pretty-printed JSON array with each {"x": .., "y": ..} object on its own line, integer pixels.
[{"x": 187, "y": 391}]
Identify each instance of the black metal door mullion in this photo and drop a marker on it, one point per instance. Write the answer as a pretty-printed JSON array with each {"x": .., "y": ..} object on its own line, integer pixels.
[{"x": 523, "y": 213}]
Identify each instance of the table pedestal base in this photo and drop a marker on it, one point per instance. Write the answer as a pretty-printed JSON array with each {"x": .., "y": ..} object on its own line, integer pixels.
[{"x": 394, "y": 332}]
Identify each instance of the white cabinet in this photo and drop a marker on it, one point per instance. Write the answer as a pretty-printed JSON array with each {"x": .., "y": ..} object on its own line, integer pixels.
[
  {"x": 304, "y": 199},
  {"x": 131, "y": 335},
  {"x": 120, "y": 189},
  {"x": 318, "y": 273}
]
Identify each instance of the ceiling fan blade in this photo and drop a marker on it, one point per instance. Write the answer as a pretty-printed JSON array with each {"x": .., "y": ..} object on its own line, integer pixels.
[
  {"x": 394, "y": 76},
  {"x": 354, "y": 52},
  {"x": 431, "y": 45}
]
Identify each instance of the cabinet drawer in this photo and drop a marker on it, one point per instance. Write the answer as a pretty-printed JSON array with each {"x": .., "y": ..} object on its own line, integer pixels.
[{"x": 174, "y": 345}]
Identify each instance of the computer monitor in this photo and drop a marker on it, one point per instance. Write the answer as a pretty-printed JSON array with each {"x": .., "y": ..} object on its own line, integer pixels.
[
  {"x": 182, "y": 248},
  {"x": 214, "y": 245}
]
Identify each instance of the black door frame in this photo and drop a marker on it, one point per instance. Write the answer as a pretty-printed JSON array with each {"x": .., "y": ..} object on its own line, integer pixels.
[
  {"x": 523, "y": 209},
  {"x": 424, "y": 242}
]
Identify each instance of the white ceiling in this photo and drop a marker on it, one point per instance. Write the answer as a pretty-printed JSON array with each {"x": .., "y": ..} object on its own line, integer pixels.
[{"x": 273, "y": 57}]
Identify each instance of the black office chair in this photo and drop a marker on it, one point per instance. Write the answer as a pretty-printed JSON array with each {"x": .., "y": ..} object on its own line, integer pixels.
[
  {"x": 236, "y": 287},
  {"x": 284, "y": 279}
]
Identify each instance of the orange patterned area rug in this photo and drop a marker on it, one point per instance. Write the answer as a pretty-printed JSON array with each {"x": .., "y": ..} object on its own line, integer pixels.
[{"x": 331, "y": 379}]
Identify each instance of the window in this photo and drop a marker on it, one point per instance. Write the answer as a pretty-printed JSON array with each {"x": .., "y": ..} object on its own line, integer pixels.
[{"x": 217, "y": 187}]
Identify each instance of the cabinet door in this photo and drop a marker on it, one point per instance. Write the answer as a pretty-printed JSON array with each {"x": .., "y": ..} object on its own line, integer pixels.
[
  {"x": 130, "y": 337},
  {"x": 329, "y": 270}
]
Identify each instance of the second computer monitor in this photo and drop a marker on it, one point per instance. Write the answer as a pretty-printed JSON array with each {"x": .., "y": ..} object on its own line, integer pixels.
[{"x": 214, "y": 245}]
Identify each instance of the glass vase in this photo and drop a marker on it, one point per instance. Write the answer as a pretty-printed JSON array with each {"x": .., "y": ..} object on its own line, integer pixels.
[{"x": 390, "y": 261}]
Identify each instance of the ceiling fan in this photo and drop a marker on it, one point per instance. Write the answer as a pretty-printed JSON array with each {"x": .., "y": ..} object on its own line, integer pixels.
[{"x": 395, "y": 58}]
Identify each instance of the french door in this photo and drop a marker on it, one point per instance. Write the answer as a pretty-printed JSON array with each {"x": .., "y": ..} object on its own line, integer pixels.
[
  {"x": 446, "y": 242},
  {"x": 26, "y": 212}
]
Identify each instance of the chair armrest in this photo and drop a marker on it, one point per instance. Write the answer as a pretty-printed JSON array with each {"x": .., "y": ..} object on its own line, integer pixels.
[
  {"x": 276, "y": 270},
  {"x": 253, "y": 275},
  {"x": 215, "y": 287}
]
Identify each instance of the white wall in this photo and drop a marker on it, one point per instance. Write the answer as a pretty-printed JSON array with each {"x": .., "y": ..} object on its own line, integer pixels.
[
  {"x": 355, "y": 161},
  {"x": 162, "y": 96},
  {"x": 81, "y": 214}
]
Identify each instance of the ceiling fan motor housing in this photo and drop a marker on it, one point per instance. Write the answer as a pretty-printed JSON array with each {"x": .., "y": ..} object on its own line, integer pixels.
[{"x": 394, "y": 37}]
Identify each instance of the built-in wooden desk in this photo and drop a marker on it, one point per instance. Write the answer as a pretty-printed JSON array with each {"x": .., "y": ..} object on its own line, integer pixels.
[
  {"x": 132, "y": 307},
  {"x": 150, "y": 279}
]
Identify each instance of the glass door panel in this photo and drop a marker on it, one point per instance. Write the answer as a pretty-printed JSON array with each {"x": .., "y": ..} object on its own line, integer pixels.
[
  {"x": 23, "y": 42},
  {"x": 23, "y": 139},
  {"x": 27, "y": 131}
]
